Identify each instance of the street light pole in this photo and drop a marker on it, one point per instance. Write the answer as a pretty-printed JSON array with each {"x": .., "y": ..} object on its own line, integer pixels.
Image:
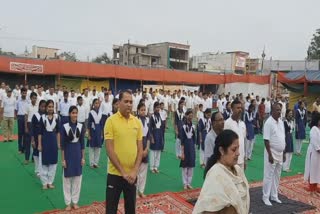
[{"x": 263, "y": 55}]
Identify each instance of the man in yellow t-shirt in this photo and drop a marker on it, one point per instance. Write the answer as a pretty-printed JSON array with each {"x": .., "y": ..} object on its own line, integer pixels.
[{"x": 123, "y": 134}]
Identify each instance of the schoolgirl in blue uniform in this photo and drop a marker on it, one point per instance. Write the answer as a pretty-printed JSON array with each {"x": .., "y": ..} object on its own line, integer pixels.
[
  {"x": 156, "y": 131},
  {"x": 178, "y": 123},
  {"x": 35, "y": 131},
  {"x": 143, "y": 169},
  {"x": 49, "y": 142},
  {"x": 204, "y": 127},
  {"x": 72, "y": 155},
  {"x": 250, "y": 121},
  {"x": 95, "y": 134},
  {"x": 301, "y": 122},
  {"x": 289, "y": 128},
  {"x": 188, "y": 150}
]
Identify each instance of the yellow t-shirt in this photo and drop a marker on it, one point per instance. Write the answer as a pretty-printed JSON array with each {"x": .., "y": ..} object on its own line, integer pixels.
[{"x": 125, "y": 133}]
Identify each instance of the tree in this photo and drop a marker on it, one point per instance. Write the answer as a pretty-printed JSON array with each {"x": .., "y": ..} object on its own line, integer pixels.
[
  {"x": 5, "y": 53},
  {"x": 69, "y": 56},
  {"x": 314, "y": 47},
  {"x": 103, "y": 59}
]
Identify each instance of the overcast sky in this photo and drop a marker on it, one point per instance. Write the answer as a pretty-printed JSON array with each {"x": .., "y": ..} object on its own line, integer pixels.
[{"x": 90, "y": 27}]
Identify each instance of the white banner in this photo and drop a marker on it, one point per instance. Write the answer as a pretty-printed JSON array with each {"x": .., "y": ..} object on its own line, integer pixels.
[
  {"x": 172, "y": 87},
  {"x": 25, "y": 68}
]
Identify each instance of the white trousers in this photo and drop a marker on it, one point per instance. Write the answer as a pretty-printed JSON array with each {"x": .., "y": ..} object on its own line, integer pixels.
[
  {"x": 142, "y": 177},
  {"x": 249, "y": 147},
  {"x": 271, "y": 178},
  {"x": 298, "y": 145},
  {"x": 37, "y": 164},
  {"x": 286, "y": 165},
  {"x": 94, "y": 155},
  {"x": 155, "y": 159},
  {"x": 71, "y": 189},
  {"x": 48, "y": 173},
  {"x": 187, "y": 174},
  {"x": 178, "y": 147},
  {"x": 201, "y": 159}
]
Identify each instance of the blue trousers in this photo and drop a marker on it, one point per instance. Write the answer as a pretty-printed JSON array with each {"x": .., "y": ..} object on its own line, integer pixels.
[
  {"x": 27, "y": 144},
  {"x": 21, "y": 133}
]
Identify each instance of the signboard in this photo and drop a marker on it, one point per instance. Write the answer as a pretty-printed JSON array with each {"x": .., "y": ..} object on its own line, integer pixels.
[
  {"x": 25, "y": 68},
  {"x": 240, "y": 62}
]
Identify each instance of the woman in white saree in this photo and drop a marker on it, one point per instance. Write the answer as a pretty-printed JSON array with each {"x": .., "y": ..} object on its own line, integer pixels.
[{"x": 225, "y": 189}]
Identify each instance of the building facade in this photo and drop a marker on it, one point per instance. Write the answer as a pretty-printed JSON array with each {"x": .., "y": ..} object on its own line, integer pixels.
[
  {"x": 162, "y": 55},
  {"x": 221, "y": 63}
]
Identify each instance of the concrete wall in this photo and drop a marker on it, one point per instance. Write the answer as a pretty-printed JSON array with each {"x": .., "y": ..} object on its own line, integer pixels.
[
  {"x": 161, "y": 50},
  {"x": 215, "y": 62},
  {"x": 43, "y": 52}
]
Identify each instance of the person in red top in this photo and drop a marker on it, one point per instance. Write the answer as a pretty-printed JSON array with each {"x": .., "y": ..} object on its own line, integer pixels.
[{"x": 262, "y": 113}]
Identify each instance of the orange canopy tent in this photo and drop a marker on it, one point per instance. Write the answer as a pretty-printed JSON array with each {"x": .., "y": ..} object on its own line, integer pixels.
[{"x": 94, "y": 70}]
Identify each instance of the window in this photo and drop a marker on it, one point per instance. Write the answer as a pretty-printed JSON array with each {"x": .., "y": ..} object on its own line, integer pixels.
[
  {"x": 137, "y": 50},
  {"x": 142, "y": 50},
  {"x": 38, "y": 56}
]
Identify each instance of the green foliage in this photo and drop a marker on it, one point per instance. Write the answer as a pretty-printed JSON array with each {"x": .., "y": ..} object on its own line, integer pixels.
[
  {"x": 103, "y": 59},
  {"x": 314, "y": 47}
]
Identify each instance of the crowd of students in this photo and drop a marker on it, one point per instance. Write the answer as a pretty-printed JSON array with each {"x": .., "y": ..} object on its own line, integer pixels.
[{"x": 58, "y": 119}]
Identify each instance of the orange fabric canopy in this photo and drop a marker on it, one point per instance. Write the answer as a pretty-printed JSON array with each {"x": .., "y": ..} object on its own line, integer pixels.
[{"x": 94, "y": 70}]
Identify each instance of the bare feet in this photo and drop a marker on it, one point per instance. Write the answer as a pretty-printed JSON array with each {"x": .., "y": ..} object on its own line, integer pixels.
[
  {"x": 189, "y": 187},
  {"x": 75, "y": 206},
  {"x": 50, "y": 186},
  {"x": 141, "y": 195},
  {"x": 45, "y": 187},
  {"x": 68, "y": 208}
]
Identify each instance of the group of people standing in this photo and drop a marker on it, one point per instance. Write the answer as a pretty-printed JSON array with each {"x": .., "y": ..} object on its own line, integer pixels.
[{"x": 133, "y": 127}]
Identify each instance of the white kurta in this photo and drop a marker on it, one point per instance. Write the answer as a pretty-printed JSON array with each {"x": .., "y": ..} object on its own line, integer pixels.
[
  {"x": 221, "y": 189},
  {"x": 312, "y": 166}
]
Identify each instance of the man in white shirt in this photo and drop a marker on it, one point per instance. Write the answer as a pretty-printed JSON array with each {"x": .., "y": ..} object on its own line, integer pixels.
[
  {"x": 151, "y": 103},
  {"x": 83, "y": 112},
  {"x": 86, "y": 100},
  {"x": 189, "y": 101},
  {"x": 268, "y": 107},
  {"x": 31, "y": 110},
  {"x": 284, "y": 107},
  {"x": 52, "y": 96},
  {"x": 219, "y": 104},
  {"x": 8, "y": 106},
  {"x": 21, "y": 110},
  {"x": 64, "y": 107},
  {"x": 40, "y": 94},
  {"x": 16, "y": 92},
  {"x": 207, "y": 103},
  {"x": 2, "y": 96},
  {"x": 217, "y": 122},
  {"x": 274, "y": 156},
  {"x": 106, "y": 105},
  {"x": 235, "y": 124},
  {"x": 135, "y": 103},
  {"x": 73, "y": 98}
]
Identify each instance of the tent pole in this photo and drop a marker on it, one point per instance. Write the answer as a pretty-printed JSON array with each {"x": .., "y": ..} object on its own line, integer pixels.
[
  {"x": 25, "y": 78},
  {"x": 305, "y": 87}
]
